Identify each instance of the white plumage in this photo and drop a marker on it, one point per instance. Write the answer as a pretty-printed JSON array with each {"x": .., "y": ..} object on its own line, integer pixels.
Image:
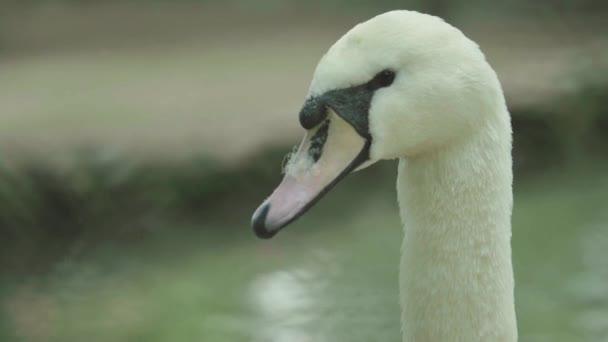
[{"x": 444, "y": 117}]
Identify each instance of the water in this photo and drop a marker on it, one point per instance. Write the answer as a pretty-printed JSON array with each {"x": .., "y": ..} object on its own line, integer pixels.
[{"x": 330, "y": 277}]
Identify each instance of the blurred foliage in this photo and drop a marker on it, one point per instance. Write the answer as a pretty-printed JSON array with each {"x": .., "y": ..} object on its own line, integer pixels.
[
  {"x": 569, "y": 129},
  {"x": 54, "y": 211},
  {"x": 583, "y": 116}
]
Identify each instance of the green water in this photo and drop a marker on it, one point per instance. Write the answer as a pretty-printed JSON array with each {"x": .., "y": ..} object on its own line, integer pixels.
[{"x": 332, "y": 276}]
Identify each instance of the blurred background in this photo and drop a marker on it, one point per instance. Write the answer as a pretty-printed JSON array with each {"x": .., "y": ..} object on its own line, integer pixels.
[{"x": 138, "y": 136}]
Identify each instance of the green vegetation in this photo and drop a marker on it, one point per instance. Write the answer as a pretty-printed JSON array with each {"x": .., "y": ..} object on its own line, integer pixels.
[{"x": 50, "y": 212}]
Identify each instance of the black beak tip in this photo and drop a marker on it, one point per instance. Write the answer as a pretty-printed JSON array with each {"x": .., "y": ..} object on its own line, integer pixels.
[{"x": 258, "y": 222}]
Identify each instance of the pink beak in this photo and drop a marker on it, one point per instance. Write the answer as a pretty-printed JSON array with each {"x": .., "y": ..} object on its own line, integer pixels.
[{"x": 326, "y": 155}]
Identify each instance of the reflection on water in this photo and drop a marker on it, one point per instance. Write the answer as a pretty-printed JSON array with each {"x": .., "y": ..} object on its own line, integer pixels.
[
  {"x": 287, "y": 302},
  {"x": 284, "y": 303},
  {"x": 590, "y": 287},
  {"x": 343, "y": 296}
]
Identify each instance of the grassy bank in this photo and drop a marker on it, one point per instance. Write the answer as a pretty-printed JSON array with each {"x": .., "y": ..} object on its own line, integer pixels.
[{"x": 52, "y": 211}]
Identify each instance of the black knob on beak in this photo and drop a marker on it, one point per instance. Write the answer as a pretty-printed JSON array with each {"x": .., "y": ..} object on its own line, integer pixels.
[{"x": 313, "y": 113}]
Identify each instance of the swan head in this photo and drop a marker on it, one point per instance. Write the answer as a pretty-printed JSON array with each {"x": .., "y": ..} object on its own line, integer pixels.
[{"x": 400, "y": 85}]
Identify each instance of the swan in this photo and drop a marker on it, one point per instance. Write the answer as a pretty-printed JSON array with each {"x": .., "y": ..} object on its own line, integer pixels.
[{"x": 406, "y": 85}]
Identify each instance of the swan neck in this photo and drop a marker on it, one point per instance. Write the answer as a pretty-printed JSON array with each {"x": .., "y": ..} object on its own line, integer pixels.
[{"x": 456, "y": 277}]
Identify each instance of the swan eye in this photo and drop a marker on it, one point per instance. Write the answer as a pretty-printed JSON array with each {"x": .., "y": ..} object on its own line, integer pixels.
[{"x": 382, "y": 79}]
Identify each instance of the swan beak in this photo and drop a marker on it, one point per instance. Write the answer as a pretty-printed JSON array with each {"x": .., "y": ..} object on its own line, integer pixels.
[{"x": 327, "y": 154}]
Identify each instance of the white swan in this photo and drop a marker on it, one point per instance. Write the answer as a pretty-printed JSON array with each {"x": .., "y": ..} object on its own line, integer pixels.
[{"x": 410, "y": 86}]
